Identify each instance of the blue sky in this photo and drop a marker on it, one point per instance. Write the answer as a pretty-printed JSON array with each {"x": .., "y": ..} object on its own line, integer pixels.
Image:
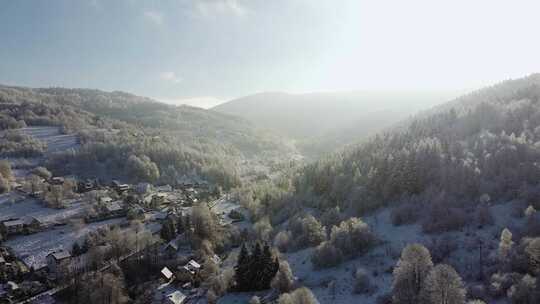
[{"x": 208, "y": 50}]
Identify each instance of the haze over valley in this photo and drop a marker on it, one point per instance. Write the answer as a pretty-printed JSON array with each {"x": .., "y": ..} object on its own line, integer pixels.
[{"x": 269, "y": 152}]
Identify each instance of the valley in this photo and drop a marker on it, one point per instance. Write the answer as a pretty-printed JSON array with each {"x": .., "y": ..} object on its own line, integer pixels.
[{"x": 180, "y": 209}]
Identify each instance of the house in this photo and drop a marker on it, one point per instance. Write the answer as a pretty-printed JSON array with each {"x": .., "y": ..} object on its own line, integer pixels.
[
  {"x": 216, "y": 259},
  {"x": 87, "y": 185},
  {"x": 31, "y": 223},
  {"x": 12, "y": 227},
  {"x": 57, "y": 181},
  {"x": 164, "y": 188},
  {"x": 166, "y": 274},
  {"x": 193, "y": 266},
  {"x": 58, "y": 261},
  {"x": 120, "y": 187},
  {"x": 2, "y": 261},
  {"x": 175, "y": 297},
  {"x": 114, "y": 208}
]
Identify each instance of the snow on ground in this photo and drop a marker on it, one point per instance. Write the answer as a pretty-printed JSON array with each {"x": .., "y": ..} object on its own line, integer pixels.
[
  {"x": 33, "y": 248},
  {"x": 224, "y": 205},
  {"x": 380, "y": 261},
  {"x": 53, "y": 138},
  {"x": 15, "y": 206}
]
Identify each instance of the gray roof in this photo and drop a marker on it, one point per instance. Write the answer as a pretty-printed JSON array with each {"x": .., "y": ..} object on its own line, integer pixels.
[
  {"x": 60, "y": 255},
  {"x": 13, "y": 223},
  {"x": 114, "y": 206}
]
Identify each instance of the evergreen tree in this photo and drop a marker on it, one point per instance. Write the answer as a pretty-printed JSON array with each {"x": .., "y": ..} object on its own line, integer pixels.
[{"x": 255, "y": 270}]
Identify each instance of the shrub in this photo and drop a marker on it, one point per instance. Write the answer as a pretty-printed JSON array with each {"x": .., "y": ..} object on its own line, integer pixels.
[
  {"x": 284, "y": 279},
  {"x": 283, "y": 240},
  {"x": 405, "y": 214},
  {"x": 42, "y": 172},
  {"x": 352, "y": 237},
  {"x": 255, "y": 300},
  {"x": 362, "y": 283},
  {"x": 326, "y": 255},
  {"x": 442, "y": 219},
  {"x": 523, "y": 292},
  {"x": 307, "y": 231},
  {"x": 263, "y": 229},
  {"x": 299, "y": 296},
  {"x": 483, "y": 215},
  {"x": 4, "y": 185}
]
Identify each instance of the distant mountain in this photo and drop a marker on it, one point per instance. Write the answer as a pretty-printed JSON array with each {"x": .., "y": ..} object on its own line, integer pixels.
[{"x": 322, "y": 122}]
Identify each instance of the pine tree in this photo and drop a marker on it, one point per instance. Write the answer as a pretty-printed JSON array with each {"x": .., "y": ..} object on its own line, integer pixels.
[
  {"x": 255, "y": 270},
  {"x": 241, "y": 268}
]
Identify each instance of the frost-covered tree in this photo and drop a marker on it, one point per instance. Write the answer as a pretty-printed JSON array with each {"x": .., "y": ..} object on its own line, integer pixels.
[
  {"x": 533, "y": 253},
  {"x": 409, "y": 274},
  {"x": 523, "y": 292},
  {"x": 443, "y": 285},
  {"x": 284, "y": 279},
  {"x": 529, "y": 211},
  {"x": 505, "y": 245},
  {"x": 4, "y": 184},
  {"x": 299, "y": 296}
]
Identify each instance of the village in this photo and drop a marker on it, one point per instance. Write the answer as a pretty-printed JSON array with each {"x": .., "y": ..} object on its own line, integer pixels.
[{"x": 54, "y": 230}]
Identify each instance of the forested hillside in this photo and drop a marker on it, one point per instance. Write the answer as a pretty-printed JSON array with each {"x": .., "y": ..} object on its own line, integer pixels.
[
  {"x": 126, "y": 135},
  {"x": 482, "y": 146}
]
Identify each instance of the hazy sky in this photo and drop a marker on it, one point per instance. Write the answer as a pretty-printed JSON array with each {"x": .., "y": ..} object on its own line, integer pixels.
[{"x": 209, "y": 50}]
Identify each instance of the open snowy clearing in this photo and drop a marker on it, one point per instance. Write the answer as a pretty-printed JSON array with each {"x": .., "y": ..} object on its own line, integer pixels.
[
  {"x": 33, "y": 248},
  {"x": 15, "y": 206},
  {"x": 53, "y": 138}
]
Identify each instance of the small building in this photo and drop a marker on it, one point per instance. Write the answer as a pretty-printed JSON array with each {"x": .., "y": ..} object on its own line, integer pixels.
[
  {"x": 114, "y": 208},
  {"x": 12, "y": 227},
  {"x": 193, "y": 266},
  {"x": 31, "y": 224},
  {"x": 216, "y": 259},
  {"x": 58, "y": 261},
  {"x": 166, "y": 274},
  {"x": 57, "y": 180},
  {"x": 175, "y": 297},
  {"x": 2, "y": 261},
  {"x": 164, "y": 188},
  {"x": 120, "y": 187}
]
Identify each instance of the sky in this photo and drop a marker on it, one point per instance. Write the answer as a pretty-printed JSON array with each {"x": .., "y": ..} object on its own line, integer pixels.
[{"x": 203, "y": 52}]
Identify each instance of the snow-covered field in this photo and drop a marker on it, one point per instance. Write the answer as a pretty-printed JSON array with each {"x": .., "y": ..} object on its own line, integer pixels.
[
  {"x": 33, "y": 249},
  {"x": 15, "y": 206},
  {"x": 53, "y": 138}
]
